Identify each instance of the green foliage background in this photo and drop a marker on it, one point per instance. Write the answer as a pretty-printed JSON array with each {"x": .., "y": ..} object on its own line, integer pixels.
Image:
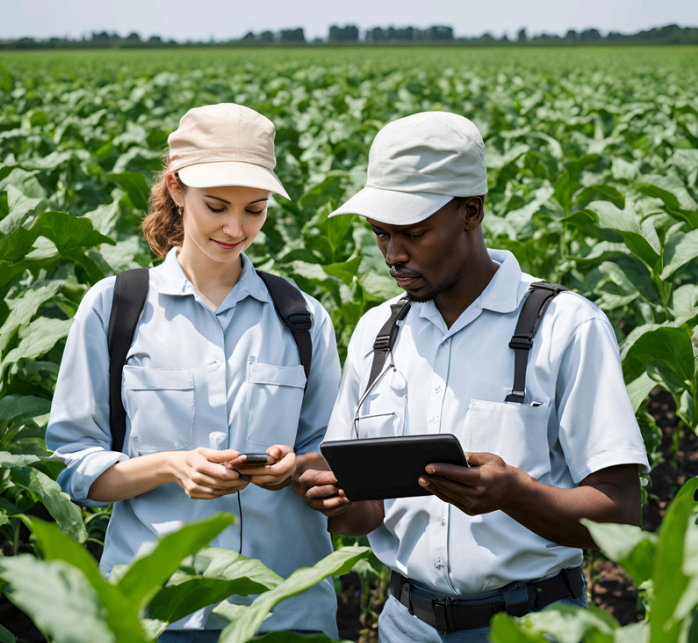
[{"x": 593, "y": 166}]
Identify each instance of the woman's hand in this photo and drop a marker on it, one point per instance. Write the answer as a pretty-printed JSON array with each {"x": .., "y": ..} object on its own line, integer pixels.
[
  {"x": 203, "y": 473},
  {"x": 269, "y": 476}
]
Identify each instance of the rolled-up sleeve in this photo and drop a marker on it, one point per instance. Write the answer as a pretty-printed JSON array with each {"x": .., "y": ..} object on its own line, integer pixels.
[
  {"x": 323, "y": 383},
  {"x": 78, "y": 429}
]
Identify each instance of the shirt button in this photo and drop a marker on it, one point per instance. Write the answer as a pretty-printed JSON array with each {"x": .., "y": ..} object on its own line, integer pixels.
[
  {"x": 443, "y": 521},
  {"x": 438, "y": 564},
  {"x": 434, "y": 419},
  {"x": 437, "y": 389}
]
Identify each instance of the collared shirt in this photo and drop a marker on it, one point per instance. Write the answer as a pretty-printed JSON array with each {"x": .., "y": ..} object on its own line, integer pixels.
[
  {"x": 195, "y": 378},
  {"x": 576, "y": 419}
]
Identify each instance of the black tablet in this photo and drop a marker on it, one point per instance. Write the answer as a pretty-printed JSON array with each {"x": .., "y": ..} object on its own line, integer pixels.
[{"x": 381, "y": 468}]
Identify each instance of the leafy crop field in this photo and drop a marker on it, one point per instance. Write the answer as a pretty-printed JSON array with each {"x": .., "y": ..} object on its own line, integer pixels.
[{"x": 593, "y": 167}]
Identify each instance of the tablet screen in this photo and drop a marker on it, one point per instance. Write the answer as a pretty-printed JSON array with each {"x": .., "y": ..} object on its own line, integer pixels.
[{"x": 382, "y": 468}]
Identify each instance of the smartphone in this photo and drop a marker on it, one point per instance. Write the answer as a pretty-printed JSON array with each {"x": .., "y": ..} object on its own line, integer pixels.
[{"x": 256, "y": 459}]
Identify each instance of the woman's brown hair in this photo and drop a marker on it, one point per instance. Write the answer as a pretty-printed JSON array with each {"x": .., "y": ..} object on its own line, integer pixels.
[{"x": 162, "y": 226}]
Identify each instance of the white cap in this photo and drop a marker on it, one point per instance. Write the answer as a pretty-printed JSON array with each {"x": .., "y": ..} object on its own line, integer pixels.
[
  {"x": 416, "y": 165},
  {"x": 225, "y": 144}
]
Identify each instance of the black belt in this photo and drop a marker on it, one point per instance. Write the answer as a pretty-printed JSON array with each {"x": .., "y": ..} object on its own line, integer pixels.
[{"x": 449, "y": 614}]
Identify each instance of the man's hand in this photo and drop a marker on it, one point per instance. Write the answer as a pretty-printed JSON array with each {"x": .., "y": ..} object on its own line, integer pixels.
[
  {"x": 608, "y": 495},
  {"x": 269, "y": 476},
  {"x": 203, "y": 475},
  {"x": 319, "y": 489},
  {"x": 487, "y": 485}
]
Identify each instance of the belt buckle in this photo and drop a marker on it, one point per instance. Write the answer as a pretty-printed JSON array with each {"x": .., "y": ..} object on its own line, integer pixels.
[
  {"x": 443, "y": 614},
  {"x": 516, "y": 600}
]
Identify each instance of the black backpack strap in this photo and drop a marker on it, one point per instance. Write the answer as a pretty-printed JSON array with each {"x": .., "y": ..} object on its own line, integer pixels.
[
  {"x": 130, "y": 292},
  {"x": 385, "y": 340},
  {"x": 541, "y": 293},
  {"x": 291, "y": 308}
]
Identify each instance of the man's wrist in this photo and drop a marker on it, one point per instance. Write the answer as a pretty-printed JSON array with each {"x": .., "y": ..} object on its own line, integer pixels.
[{"x": 519, "y": 490}]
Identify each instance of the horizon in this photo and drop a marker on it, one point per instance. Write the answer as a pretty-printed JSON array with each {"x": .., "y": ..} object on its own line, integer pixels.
[{"x": 76, "y": 19}]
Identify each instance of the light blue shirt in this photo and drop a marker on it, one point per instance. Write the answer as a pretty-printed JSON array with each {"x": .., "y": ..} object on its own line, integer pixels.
[{"x": 195, "y": 378}]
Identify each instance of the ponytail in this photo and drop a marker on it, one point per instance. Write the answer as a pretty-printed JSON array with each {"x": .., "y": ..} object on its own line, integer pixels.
[{"x": 162, "y": 226}]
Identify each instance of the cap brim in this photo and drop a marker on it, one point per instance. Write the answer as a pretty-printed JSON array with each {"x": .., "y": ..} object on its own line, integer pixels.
[
  {"x": 222, "y": 174},
  {"x": 392, "y": 207}
]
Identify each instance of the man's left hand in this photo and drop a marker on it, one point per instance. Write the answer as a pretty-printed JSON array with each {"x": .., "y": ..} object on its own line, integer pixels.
[{"x": 487, "y": 485}]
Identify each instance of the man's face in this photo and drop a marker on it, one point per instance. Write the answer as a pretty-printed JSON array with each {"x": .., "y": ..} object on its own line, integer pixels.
[{"x": 428, "y": 257}]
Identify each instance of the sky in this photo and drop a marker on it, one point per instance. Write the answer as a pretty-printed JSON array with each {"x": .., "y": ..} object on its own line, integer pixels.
[{"x": 225, "y": 19}]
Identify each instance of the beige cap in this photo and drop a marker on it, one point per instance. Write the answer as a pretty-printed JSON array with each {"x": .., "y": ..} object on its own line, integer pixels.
[
  {"x": 225, "y": 144},
  {"x": 416, "y": 165}
]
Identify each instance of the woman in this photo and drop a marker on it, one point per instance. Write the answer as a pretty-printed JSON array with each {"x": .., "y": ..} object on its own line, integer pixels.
[{"x": 212, "y": 373}]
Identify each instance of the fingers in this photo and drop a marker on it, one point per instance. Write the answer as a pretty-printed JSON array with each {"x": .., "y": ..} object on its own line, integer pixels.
[
  {"x": 278, "y": 451},
  {"x": 279, "y": 469},
  {"x": 201, "y": 492},
  {"x": 463, "y": 475},
  {"x": 476, "y": 459},
  {"x": 218, "y": 456}
]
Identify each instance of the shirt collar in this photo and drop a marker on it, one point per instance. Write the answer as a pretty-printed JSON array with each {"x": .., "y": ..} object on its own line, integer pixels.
[
  {"x": 173, "y": 281},
  {"x": 502, "y": 295},
  {"x": 506, "y": 289}
]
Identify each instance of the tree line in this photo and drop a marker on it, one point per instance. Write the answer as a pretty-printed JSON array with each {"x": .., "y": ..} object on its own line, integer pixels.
[{"x": 351, "y": 35}]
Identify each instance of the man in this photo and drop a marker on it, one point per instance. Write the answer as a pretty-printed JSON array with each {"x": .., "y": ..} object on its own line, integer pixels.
[{"x": 503, "y": 533}]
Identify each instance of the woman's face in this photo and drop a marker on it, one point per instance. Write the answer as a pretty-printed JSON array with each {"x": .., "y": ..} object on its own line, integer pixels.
[{"x": 222, "y": 222}]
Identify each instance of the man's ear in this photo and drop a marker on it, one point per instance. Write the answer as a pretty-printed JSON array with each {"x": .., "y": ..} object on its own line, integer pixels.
[{"x": 473, "y": 209}]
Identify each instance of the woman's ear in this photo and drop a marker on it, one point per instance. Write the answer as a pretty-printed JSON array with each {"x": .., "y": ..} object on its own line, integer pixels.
[
  {"x": 473, "y": 207},
  {"x": 175, "y": 188}
]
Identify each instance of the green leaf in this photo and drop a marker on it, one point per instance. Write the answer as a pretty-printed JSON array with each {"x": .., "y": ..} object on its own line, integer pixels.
[
  {"x": 668, "y": 350},
  {"x": 19, "y": 408},
  {"x": 148, "y": 572},
  {"x": 135, "y": 185},
  {"x": 626, "y": 545},
  {"x": 57, "y": 546},
  {"x": 214, "y": 575},
  {"x": 633, "y": 633},
  {"x": 563, "y": 623},
  {"x": 67, "y": 514},
  {"x": 59, "y": 600},
  {"x": 670, "y": 579},
  {"x": 6, "y": 636},
  {"x": 639, "y": 390},
  {"x": 243, "y": 628},
  {"x": 686, "y": 410},
  {"x": 65, "y": 231},
  {"x": 347, "y": 271},
  {"x": 602, "y": 193},
  {"x": 25, "y": 306},
  {"x": 19, "y": 208},
  {"x": 9, "y": 460},
  {"x": 627, "y": 225},
  {"x": 678, "y": 251},
  {"x": 37, "y": 339}
]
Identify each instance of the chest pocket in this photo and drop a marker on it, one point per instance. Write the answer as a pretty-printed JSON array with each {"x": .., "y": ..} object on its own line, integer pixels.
[
  {"x": 382, "y": 413},
  {"x": 274, "y": 400},
  {"x": 160, "y": 405},
  {"x": 515, "y": 432}
]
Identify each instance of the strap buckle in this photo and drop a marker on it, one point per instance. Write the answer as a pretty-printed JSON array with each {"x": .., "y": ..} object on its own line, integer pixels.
[
  {"x": 521, "y": 342},
  {"x": 382, "y": 343},
  {"x": 300, "y": 321},
  {"x": 443, "y": 614},
  {"x": 516, "y": 601},
  {"x": 556, "y": 289}
]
